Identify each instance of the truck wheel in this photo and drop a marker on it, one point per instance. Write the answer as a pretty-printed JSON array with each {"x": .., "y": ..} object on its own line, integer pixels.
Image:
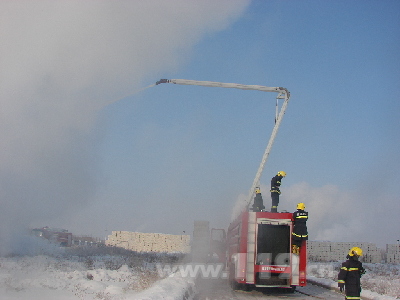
[{"x": 235, "y": 286}]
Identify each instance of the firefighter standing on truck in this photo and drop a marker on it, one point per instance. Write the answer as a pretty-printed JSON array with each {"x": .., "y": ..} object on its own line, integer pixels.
[
  {"x": 300, "y": 232},
  {"x": 350, "y": 274},
  {"x": 275, "y": 191},
  {"x": 258, "y": 204}
]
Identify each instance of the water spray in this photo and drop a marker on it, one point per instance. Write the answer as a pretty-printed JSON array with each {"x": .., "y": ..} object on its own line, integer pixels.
[{"x": 283, "y": 94}]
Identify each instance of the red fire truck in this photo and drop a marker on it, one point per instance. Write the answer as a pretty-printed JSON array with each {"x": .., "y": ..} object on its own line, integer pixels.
[
  {"x": 259, "y": 252},
  {"x": 259, "y": 243}
]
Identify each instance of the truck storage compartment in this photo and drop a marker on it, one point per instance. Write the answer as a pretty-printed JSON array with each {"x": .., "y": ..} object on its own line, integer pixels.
[{"x": 273, "y": 247}]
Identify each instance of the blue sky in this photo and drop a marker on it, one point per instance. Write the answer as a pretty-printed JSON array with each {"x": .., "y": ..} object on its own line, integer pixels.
[
  {"x": 156, "y": 160},
  {"x": 340, "y": 62}
]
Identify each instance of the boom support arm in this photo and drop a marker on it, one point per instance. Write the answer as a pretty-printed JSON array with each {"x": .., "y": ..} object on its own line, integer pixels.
[{"x": 283, "y": 93}]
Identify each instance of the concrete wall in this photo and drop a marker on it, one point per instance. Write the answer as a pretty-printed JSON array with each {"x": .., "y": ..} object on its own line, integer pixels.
[{"x": 149, "y": 242}]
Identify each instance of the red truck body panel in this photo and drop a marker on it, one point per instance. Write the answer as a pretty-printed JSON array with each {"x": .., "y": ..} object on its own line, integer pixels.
[{"x": 259, "y": 251}]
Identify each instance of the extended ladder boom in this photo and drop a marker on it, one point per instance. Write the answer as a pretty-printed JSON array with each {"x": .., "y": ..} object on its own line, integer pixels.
[
  {"x": 283, "y": 93},
  {"x": 225, "y": 85}
]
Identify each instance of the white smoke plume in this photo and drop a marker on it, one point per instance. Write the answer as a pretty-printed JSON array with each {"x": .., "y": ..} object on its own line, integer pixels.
[
  {"x": 62, "y": 61},
  {"x": 343, "y": 215},
  {"x": 336, "y": 214}
]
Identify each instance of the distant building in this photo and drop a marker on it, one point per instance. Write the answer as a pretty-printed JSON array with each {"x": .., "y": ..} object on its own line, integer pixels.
[
  {"x": 84, "y": 240},
  {"x": 56, "y": 236}
]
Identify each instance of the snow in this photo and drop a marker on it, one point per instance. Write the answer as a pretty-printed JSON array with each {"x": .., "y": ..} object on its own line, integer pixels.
[
  {"x": 381, "y": 281},
  {"x": 66, "y": 277},
  {"x": 100, "y": 274}
]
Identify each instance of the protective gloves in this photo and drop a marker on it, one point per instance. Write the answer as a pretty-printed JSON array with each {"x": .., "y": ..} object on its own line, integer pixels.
[{"x": 341, "y": 286}]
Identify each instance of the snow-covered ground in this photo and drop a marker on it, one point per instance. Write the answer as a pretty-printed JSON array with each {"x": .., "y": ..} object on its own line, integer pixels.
[
  {"x": 381, "y": 281},
  {"x": 94, "y": 273},
  {"x": 90, "y": 274}
]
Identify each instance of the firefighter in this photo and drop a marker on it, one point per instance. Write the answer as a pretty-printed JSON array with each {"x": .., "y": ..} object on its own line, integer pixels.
[
  {"x": 350, "y": 274},
  {"x": 275, "y": 191},
  {"x": 300, "y": 232},
  {"x": 258, "y": 204}
]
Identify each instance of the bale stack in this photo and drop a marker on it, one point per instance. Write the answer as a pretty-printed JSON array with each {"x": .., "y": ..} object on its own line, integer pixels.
[
  {"x": 337, "y": 251},
  {"x": 393, "y": 253},
  {"x": 149, "y": 242}
]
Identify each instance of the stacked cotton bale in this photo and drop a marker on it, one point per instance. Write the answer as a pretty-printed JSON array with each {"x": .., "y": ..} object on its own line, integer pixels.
[
  {"x": 337, "y": 251},
  {"x": 318, "y": 251},
  {"x": 371, "y": 253},
  {"x": 393, "y": 253},
  {"x": 149, "y": 242}
]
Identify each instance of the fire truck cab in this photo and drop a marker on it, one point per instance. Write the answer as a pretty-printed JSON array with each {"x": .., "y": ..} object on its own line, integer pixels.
[{"x": 259, "y": 252}]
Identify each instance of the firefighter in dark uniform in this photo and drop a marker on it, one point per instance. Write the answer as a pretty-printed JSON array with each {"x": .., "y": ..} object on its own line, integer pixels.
[
  {"x": 258, "y": 204},
  {"x": 350, "y": 274},
  {"x": 300, "y": 232},
  {"x": 275, "y": 191}
]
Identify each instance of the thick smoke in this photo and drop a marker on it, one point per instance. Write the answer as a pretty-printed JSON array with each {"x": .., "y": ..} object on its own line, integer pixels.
[
  {"x": 61, "y": 61},
  {"x": 337, "y": 214}
]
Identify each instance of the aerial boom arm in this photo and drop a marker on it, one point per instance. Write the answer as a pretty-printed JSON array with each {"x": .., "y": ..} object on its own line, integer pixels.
[
  {"x": 283, "y": 93},
  {"x": 225, "y": 85}
]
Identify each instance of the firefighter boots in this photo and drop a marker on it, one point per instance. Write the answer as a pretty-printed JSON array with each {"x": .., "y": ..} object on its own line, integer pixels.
[{"x": 295, "y": 249}]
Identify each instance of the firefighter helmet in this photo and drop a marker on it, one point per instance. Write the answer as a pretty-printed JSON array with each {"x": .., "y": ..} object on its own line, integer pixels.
[
  {"x": 282, "y": 173},
  {"x": 301, "y": 206},
  {"x": 355, "y": 251},
  {"x": 258, "y": 191}
]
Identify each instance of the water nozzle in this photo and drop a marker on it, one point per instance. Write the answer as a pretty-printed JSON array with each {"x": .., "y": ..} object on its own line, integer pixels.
[{"x": 162, "y": 81}]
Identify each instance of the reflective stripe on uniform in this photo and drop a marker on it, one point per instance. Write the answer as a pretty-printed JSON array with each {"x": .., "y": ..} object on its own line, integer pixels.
[
  {"x": 349, "y": 269},
  {"x": 298, "y": 217},
  {"x": 299, "y": 235},
  {"x": 340, "y": 281},
  {"x": 349, "y": 297}
]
